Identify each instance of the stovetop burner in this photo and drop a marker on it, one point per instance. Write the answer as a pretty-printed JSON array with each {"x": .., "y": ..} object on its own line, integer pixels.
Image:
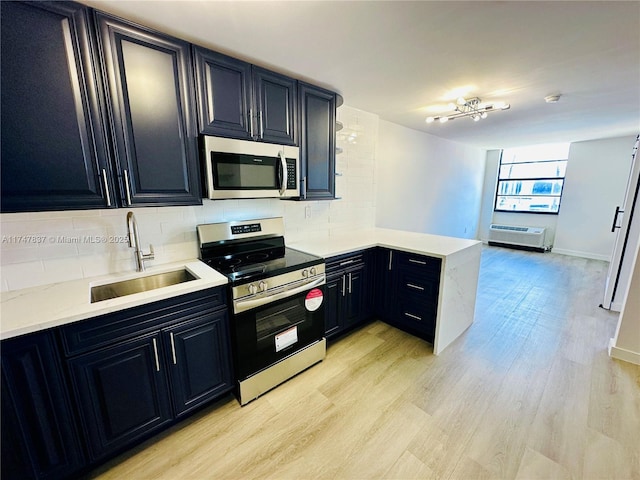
[{"x": 250, "y": 250}]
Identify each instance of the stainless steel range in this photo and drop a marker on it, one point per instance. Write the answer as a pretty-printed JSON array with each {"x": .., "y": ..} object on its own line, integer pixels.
[{"x": 277, "y": 317}]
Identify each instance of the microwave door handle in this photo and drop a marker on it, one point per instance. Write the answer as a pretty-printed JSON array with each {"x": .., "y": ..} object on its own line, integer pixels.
[{"x": 283, "y": 172}]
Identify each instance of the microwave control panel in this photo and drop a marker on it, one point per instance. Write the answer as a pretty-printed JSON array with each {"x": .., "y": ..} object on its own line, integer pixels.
[{"x": 291, "y": 174}]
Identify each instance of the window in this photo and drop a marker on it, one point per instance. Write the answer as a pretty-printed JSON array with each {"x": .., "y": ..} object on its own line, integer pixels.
[{"x": 530, "y": 179}]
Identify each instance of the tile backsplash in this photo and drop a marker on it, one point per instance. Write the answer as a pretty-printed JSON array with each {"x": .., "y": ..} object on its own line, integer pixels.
[{"x": 47, "y": 247}]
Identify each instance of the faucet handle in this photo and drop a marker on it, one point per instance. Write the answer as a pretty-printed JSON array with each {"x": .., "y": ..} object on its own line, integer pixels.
[{"x": 150, "y": 255}]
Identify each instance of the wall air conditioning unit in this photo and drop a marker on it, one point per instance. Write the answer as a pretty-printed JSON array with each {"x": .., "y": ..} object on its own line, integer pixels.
[{"x": 526, "y": 238}]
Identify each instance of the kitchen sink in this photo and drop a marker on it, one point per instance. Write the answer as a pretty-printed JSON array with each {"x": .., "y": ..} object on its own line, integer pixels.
[{"x": 141, "y": 284}]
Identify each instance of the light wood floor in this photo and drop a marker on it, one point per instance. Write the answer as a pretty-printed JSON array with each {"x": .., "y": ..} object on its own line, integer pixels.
[{"x": 527, "y": 392}]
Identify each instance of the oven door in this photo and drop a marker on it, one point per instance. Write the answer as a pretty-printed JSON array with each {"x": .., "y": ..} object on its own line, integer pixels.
[{"x": 268, "y": 333}]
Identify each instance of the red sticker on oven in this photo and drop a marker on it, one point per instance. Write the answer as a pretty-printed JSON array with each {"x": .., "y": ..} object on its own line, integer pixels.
[{"x": 313, "y": 300}]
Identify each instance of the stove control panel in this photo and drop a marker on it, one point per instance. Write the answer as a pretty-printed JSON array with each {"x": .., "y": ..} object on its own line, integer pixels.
[{"x": 263, "y": 287}]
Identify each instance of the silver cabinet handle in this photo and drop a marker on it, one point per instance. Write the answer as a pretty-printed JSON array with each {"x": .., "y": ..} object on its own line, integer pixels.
[
  {"x": 155, "y": 352},
  {"x": 261, "y": 125},
  {"x": 390, "y": 258},
  {"x": 415, "y": 317},
  {"x": 303, "y": 188},
  {"x": 349, "y": 283},
  {"x": 347, "y": 262},
  {"x": 251, "y": 122},
  {"x": 127, "y": 186},
  {"x": 283, "y": 166},
  {"x": 419, "y": 262},
  {"x": 344, "y": 283},
  {"x": 173, "y": 349},
  {"x": 417, "y": 287},
  {"x": 106, "y": 187}
]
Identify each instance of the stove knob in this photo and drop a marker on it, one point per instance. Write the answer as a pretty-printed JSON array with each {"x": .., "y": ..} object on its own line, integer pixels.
[
  {"x": 313, "y": 271},
  {"x": 252, "y": 289},
  {"x": 305, "y": 273},
  {"x": 262, "y": 286}
]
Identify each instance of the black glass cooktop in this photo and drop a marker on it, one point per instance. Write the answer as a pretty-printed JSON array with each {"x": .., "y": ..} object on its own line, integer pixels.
[{"x": 255, "y": 265}]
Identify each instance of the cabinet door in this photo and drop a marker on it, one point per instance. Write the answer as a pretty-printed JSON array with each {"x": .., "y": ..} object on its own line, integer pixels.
[
  {"x": 39, "y": 436},
  {"x": 276, "y": 102},
  {"x": 333, "y": 305},
  {"x": 122, "y": 393},
  {"x": 317, "y": 142},
  {"x": 386, "y": 267},
  {"x": 199, "y": 360},
  {"x": 355, "y": 290},
  {"x": 54, "y": 154},
  {"x": 223, "y": 87},
  {"x": 152, "y": 109}
]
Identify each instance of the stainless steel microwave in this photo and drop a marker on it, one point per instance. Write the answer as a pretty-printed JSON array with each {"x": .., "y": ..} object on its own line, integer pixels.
[{"x": 244, "y": 169}]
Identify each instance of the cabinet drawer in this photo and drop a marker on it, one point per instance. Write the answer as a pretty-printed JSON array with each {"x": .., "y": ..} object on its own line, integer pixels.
[
  {"x": 417, "y": 284},
  {"x": 342, "y": 262},
  {"x": 100, "y": 331},
  {"x": 419, "y": 263},
  {"x": 417, "y": 315}
]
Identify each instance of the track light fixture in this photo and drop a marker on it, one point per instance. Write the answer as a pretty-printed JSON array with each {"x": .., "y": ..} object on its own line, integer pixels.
[{"x": 469, "y": 108}]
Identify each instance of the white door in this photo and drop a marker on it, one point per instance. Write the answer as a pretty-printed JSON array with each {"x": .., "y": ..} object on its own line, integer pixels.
[{"x": 626, "y": 223}]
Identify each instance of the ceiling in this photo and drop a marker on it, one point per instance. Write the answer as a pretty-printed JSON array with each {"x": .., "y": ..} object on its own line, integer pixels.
[{"x": 399, "y": 59}]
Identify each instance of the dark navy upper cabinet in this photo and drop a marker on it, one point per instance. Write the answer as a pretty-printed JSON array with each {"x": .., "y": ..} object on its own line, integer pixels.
[
  {"x": 223, "y": 87},
  {"x": 317, "y": 142},
  {"x": 150, "y": 99},
  {"x": 39, "y": 436},
  {"x": 239, "y": 100},
  {"x": 277, "y": 106},
  {"x": 54, "y": 154}
]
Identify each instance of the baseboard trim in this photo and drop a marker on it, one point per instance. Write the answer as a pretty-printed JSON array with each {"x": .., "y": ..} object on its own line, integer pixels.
[
  {"x": 622, "y": 354},
  {"x": 576, "y": 253}
]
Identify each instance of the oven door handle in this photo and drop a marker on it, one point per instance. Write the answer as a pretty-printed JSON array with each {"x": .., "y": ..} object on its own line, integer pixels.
[{"x": 240, "y": 306}]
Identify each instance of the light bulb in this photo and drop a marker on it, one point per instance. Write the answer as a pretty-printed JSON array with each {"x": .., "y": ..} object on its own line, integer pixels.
[
  {"x": 484, "y": 115},
  {"x": 430, "y": 119},
  {"x": 476, "y": 118},
  {"x": 444, "y": 119}
]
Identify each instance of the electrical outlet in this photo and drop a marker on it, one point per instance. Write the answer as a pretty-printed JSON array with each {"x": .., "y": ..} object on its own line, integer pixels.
[{"x": 307, "y": 211}]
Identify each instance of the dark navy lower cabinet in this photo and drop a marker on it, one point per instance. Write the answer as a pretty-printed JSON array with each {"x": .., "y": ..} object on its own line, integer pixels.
[
  {"x": 348, "y": 292},
  {"x": 198, "y": 359},
  {"x": 137, "y": 371},
  {"x": 39, "y": 435},
  {"x": 122, "y": 393}
]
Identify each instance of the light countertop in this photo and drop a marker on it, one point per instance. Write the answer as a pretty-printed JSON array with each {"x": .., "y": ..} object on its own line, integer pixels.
[
  {"x": 38, "y": 308},
  {"x": 420, "y": 243}
]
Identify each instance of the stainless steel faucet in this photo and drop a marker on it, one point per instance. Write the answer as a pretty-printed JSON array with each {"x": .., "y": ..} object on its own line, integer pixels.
[{"x": 134, "y": 242}]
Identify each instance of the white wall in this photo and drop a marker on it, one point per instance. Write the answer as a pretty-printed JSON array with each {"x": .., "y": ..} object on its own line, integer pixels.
[
  {"x": 428, "y": 184},
  {"x": 66, "y": 250},
  {"x": 597, "y": 174}
]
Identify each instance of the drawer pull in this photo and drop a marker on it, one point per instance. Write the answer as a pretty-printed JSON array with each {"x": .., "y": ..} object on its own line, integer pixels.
[
  {"x": 390, "y": 259},
  {"x": 417, "y": 287},
  {"x": 344, "y": 285},
  {"x": 346, "y": 262},
  {"x": 415, "y": 317},
  {"x": 349, "y": 283},
  {"x": 155, "y": 352},
  {"x": 419, "y": 262}
]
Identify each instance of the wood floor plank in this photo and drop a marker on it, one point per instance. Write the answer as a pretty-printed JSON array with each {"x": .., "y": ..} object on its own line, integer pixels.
[{"x": 528, "y": 392}]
